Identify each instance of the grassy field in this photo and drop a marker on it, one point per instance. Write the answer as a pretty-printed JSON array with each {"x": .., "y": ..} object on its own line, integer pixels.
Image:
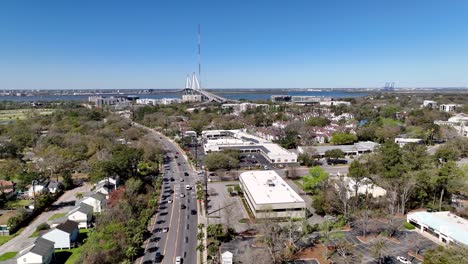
[
  {"x": 4, "y": 239},
  {"x": 15, "y": 204},
  {"x": 56, "y": 216},
  {"x": 21, "y": 114},
  {"x": 7, "y": 256}
]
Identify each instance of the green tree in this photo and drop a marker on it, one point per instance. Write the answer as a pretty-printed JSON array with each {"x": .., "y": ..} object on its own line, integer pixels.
[
  {"x": 446, "y": 255},
  {"x": 218, "y": 160},
  {"x": 447, "y": 153},
  {"x": 334, "y": 154},
  {"x": 343, "y": 138},
  {"x": 318, "y": 121},
  {"x": 316, "y": 180},
  {"x": 358, "y": 173}
]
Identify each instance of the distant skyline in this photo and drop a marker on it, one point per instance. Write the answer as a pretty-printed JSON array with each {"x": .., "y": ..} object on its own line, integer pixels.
[{"x": 54, "y": 44}]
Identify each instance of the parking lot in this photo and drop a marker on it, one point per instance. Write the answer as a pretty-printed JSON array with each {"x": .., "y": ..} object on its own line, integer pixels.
[
  {"x": 409, "y": 241},
  {"x": 224, "y": 208}
]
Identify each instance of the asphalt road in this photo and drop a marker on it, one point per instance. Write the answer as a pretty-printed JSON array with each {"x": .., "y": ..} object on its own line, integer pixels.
[
  {"x": 181, "y": 236},
  {"x": 22, "y": 240}
]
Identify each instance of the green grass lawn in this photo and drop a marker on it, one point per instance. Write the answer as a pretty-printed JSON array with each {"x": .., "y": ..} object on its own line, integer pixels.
[
  {"x": 67, "y": 256},
  {"x": 70, "y": 256},
  {"x": 15, "y": 204},
  {"x": 56, "y": 216},
  {"x": 21, "y": 114},
  {"x": 4, "y": 239},
  {"x": 7, "y": 256}
]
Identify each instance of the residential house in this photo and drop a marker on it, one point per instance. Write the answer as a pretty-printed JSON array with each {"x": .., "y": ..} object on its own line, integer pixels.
[
  {"x": 41, "y": 251},
  {"x": 63, "y": 235},
  {"x": 53, "y": 186},
  {"x": 7, "y": 188},
  {"x": 37, "y": 188},
  {"x": 97, "y": 201},
  {"x": 83, "y": 214},
  {"x": 105, "y": 188},
  {"x": 429, "y": 104}
]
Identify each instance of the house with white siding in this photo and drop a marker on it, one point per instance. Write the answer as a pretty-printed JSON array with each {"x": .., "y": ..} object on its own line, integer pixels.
[
  {"x": 82, "y": 214},
  {"x": 63, "y": 235},
  {"x": 97, "y": 201},
  {"x": 40, "y": 252}
]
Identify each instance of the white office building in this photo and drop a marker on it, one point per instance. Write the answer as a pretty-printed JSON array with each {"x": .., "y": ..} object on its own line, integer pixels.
[
  {"x": 445, "y": 226},
  {"x": 447, "y": 107},
  {"x": 269, "y": 196},
  {"x": 219, "y": 140},
  {"x": 459, "y": 122},
  {"x": 349, "y": 150}
]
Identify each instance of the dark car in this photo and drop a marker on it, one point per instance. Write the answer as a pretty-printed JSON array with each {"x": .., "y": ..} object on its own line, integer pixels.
[
  {"x": 172, "y": 179},
  {"x": 176, "y": 157},
  {"x": 186, "y": 174},
  {"x": 194, "y": 212},
  {"x": 158, "y": 258},
  {"x": 182, "y": 206}
]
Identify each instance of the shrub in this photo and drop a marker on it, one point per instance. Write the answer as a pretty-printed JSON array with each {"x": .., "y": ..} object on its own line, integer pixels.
[
  {"x": 43, "y": 226},
  {"x": 408, "y": 226}
]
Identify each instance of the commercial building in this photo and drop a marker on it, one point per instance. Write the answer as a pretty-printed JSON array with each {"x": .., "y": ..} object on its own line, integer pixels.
[
  {"x": 447, "y": 107},
  {"x": 445, "y": 226},
  {"x": 459, "y": 122},
  {"x": 189, "y": 98},
  {"x": 350, "y": 150},
  {"x": 403, "y": 141},
  {"x": 100, "y": 101},
  {"x": 429, "y": 104},
  {"x": 239, "y": 108},
  {"x": 219, "y": 140},
  {"x": 269, "y": 196},
  {"x": 299, "y": 99}
]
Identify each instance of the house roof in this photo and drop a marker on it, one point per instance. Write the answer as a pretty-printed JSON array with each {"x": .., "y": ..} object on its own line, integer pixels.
[
  {"x": 83, "y": 208},
  {"x": 99, "y": 196},
  {"x": 68, "y": 226},
  {"x": 53, "y": 184},
  {"x": 40, "y": 247}
]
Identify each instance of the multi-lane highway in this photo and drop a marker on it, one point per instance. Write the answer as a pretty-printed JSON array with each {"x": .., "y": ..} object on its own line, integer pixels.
[{"x": 174, "y": 227}]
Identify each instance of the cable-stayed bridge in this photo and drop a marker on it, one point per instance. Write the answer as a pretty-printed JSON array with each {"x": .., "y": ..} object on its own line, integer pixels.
[{"x": 192, "y": 86}]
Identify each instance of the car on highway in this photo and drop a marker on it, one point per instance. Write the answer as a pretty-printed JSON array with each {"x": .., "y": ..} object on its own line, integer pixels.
[
  {"x": 181, "y": 179},
  {"x": 186, "y": 174},
  {"x": 193, "y": 212},
  {"x": 182, "y": 206},
  {"x": 178, "y": 260},
  {"x": 169, "y": 201},
  {"x": 182, "y": 195},
  {"x": 403, "y": 260},
  {"x": 187, "y": 187},
  {"x": 165, "y": 229}
]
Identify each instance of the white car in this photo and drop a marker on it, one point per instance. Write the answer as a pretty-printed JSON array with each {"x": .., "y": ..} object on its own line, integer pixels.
[
  {"x": 169, "y": 201},
  {"x": 403, "y": 260},
  {"x": 165, "y": 230},
  {"x": 187, "y": 187},
  {"x": 178, "y": 260},
  {"x": 182, "y": 195}
]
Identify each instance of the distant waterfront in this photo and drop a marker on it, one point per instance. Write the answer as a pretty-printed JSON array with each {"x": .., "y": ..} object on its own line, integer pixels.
[{"x": 236, "y": 95}]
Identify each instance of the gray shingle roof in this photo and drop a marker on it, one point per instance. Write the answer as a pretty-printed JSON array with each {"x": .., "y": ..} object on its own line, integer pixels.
[
  {"x": 68, "y": 226},
  {"x": 84, "y": 208},
  {"x": 41, "y": 247},
  {"x": 99, "y": 196}
]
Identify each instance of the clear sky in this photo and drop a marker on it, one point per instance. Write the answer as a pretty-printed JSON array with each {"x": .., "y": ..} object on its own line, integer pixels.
[{"x": 61, "y": 44}]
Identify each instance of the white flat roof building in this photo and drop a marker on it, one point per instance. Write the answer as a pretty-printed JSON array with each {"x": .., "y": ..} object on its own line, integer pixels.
[
  {"x": 219, "y": 140},
  {"x": 355, "y": 149},
  {"x": 403, "y": 141},
  {"x": 269, "y": 196},
  {"x": 445, "y": 226}
]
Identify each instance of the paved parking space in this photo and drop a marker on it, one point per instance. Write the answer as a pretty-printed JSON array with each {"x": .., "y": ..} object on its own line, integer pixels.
[
  {"x": 409, "y": 241},
  {"x": 224, "y": 208}
]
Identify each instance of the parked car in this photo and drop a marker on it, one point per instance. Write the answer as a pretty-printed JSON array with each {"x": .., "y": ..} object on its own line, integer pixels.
[
  {"x": 165, "y": 229},
  {"x": 187, "y": 187},
  {"x": 403, "y": 260}
]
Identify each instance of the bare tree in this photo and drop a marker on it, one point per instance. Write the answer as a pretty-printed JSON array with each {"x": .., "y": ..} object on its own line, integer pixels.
[
  {"x": 406, "y": 187},
  {"x": 342, "y": 193},
  {"x": 378, "y": 249}
]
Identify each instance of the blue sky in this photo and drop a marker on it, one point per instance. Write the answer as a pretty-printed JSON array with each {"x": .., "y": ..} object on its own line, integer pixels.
[{"x": 245, "y": 44}]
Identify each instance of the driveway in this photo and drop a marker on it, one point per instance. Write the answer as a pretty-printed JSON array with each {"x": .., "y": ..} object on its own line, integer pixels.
[{"x": 23, "y": 239}]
